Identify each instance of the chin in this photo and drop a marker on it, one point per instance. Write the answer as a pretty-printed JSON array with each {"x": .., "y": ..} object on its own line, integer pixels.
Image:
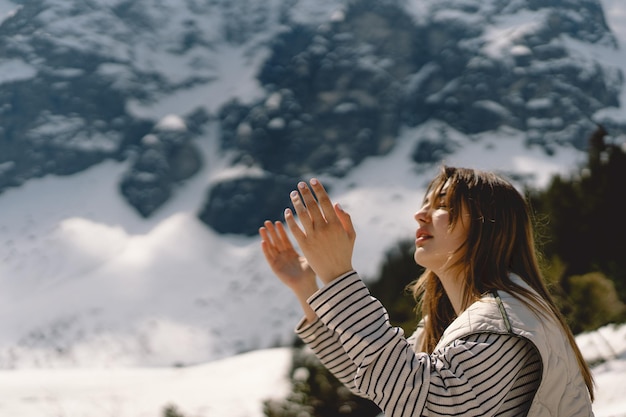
[{"x": 416, "y": 258}]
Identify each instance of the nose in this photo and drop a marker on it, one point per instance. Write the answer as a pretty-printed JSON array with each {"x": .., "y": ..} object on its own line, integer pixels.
[{"x": 423, "y": 214}]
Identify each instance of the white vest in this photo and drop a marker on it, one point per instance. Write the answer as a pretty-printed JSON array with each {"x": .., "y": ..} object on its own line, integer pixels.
[{"x": 562, "y": 392}]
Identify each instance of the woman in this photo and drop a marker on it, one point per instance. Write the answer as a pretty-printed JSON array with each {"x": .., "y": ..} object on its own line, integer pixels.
[{"x": 492, "y": 342}]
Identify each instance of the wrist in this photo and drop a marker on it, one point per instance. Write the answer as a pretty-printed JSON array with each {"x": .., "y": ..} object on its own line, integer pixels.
[
  {"x": 330, "y": 276},
  {"x": 304, "y": 292}
]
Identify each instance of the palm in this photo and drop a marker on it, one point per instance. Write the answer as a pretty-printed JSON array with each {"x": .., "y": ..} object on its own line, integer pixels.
[
  {"x": 286, "y": 263},
  {"x": 291, "y": 267}
]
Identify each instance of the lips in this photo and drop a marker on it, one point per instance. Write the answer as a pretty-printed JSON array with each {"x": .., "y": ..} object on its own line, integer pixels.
[{"x": 422, "y": 236}]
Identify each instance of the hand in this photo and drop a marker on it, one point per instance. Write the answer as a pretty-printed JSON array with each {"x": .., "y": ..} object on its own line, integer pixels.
[
  {"x": 291, "y": 268},
  {"x": 327, "y": 235}
]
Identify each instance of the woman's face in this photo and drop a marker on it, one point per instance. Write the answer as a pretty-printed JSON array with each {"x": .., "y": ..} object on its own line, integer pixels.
[{"x": 435, "y": 242}]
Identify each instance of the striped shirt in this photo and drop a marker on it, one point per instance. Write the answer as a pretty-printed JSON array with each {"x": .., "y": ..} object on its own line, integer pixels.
[{"x": 483, "y": 374}]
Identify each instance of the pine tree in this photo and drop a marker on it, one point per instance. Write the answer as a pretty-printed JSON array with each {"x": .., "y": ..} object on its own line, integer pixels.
[{"x": 586, "y": 215}]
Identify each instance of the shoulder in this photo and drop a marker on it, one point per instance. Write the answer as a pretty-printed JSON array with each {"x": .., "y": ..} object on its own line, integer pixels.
[
  {"x": 490, "y": 347},
  {"x": 489, "y": 356},
  {"x": 499, "y": 312},
  {"x": 483, "y": 316}
]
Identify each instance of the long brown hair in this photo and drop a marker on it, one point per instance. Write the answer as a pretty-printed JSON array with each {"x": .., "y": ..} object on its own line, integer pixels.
[{"x": 500, "y": 241}]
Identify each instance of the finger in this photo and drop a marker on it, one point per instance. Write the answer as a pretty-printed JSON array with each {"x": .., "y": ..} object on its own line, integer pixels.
[
  {"x": 301, "y": 211},
  {"x": 282, "y": 236},
  {"x": 295, "y": 230},
  {"x": 264, "y": 235},
  {"x": 266, "y": 244},
  {"x": 271, "y": 231},
  {"x": 310, "y": 203},
  {"x": 346, "y": 221},
  {"x": 267, "y": 231},
  {"x": 269, "y": 254},
  {"x": 324, "y": 200}
]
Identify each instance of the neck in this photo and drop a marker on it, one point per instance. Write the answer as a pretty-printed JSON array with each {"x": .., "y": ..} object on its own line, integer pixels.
[{"x": 453, "y": 286}]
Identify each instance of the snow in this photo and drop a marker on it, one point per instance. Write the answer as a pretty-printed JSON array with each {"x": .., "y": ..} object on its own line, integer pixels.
[
  {"x": 7, "y": 10},
  {"x": 318, "y": 11},
  {"x": 236, "y": 72},
  {"x": 16, "y": 70},
  {"x": 501, "y": 38},
  {"x": 172, "y": 122},
  {"x": 615, "y": 12},
  {"x": 156, "y": 312},
  {"x": 95, "y": 252},
  {"x": 234, "y": 387}
]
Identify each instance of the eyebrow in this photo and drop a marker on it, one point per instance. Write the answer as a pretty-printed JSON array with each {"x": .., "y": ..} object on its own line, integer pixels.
[{"x": 440, "y": 195}]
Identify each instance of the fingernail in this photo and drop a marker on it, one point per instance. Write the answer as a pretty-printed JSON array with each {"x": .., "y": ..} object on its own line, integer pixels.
[
  {"x": 314, "y": 181},
  {"x": 287, "y": 212},
  {"x": 294, "y": 194},
  {"x": 301, "y": 185}
]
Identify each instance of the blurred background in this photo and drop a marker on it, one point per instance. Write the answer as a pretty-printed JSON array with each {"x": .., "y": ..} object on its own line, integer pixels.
[{"x": 143, "y": 142}]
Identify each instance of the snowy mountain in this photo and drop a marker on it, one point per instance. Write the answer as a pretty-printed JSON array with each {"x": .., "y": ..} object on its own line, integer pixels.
[
  {"x": 143, "y": 142},
  {"x": 292, "y": 87}
]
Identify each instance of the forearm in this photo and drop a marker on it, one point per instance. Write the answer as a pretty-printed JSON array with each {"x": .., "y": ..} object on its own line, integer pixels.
[
  {"x": 387, "y": 370},
  {"x": 309, "y": 314},
  {"x": 303, "y": 292},
  {"x": 325, "y": 345}
]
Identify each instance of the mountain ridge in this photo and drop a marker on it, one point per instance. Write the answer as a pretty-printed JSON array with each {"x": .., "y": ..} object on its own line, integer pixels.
[{"x": 113, "y": 259}]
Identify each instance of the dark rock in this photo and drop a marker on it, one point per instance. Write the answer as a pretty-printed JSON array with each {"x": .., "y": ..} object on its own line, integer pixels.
[
  {"x": 428, "y": 152},
  {"x": 241, "y": 205},
  {"x": 165, "y": 159}
]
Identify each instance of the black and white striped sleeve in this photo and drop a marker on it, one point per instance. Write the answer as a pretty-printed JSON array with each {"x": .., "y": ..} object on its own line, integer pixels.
[
  {"x": 484, "y": 374},
  {"x": 474, "y": 376},
  {"x": 327, "y": 347},
  {"x": 384, "y": 368}
]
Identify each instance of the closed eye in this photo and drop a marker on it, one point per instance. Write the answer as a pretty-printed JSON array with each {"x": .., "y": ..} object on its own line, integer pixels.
[{"x": 441, "y": 202}]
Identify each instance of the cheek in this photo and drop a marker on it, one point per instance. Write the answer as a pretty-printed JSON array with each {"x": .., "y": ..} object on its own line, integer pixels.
[
  {"x": 441, "y": 221},
  {"x": 459, "y": 237},
  {"x": 460, "y": 233}
]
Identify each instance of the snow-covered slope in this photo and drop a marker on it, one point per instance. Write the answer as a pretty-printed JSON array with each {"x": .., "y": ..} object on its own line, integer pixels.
[
  {"x": 232, "y": 387},
  {"x": 119, "y": 290},
  {"x": 86, "y": 281}
]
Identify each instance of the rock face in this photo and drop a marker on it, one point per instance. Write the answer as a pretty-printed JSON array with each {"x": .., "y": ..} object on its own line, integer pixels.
[
  {"x": 164, "y": 158},
  {"x": 240, "y": 206},
  {"x": 339, "y": 92},
  {"x": 336, "y": 87}
]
